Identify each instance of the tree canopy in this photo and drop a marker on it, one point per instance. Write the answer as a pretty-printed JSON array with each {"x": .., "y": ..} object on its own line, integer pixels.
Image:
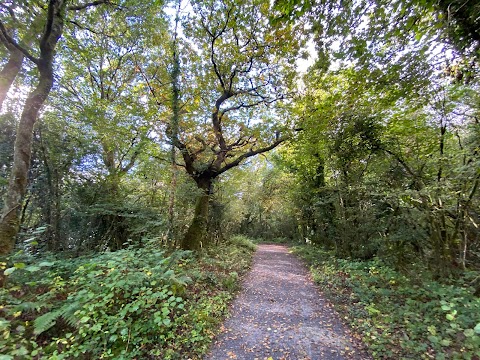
[{"x": 138, "y": 102}]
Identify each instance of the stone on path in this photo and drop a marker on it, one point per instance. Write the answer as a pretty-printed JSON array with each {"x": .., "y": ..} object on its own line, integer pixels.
[{"x": 280, "y": 314}]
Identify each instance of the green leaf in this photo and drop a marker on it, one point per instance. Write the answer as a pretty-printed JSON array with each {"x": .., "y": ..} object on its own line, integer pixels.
[
  {"x": 4, "y": 324},
  {"x": 450, "y": 317},
  {"x": 32, "y": 268},
  {"x": 46, "y": 264},
  {"x": 477, "y": 328},
  {"x": 433, "y": 339},
  {"x": 9, "y": 271},
  {"x": 19, "y": 265},
  {"x": 445, "y": 342},
  {"x": 21, "y": 351},
  {"x": 469, "y": 332}
]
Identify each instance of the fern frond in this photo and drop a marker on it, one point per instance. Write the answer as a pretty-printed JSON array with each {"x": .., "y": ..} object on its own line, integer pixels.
[
  {"x": 45, "y": 321},
  {"x": 29, "y": 306},
  {"x": 68, "y": 314}
]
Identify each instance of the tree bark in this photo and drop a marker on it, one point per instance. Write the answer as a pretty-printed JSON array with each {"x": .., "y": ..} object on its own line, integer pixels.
[
  {"x": 9, "y": 73},
  {"x": 175, "y": 75},
  {"x": 15, "y": 61},
  {"x": 10, "y": 219},
  {"x": 9, "y": 222},
  {"x": 196, "y": 235}
]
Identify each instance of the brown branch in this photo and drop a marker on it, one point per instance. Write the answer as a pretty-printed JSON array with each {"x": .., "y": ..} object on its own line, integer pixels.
[
  {"x": 131, "y": 163},
  {"x": 246, "y": 106},
  {"x": 187, "y": 157},
  {"x": 216, "y": 120},
  {"x": 214, "y": 37},
  {"x": 418, "y": 181},
  {"x": 250, "y": 153},
  {"x": 87, "y": 5},
  {"x": 82, "y": 27},
  {"x": 215, "y": 67},
  {"x": 149, "y": 85},
  {"x": 48, "y": 25},
  {"x": 10, "y": 41}
]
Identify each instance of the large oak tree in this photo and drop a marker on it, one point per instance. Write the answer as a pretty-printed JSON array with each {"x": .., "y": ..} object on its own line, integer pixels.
[{"x": 244, "y": 70}]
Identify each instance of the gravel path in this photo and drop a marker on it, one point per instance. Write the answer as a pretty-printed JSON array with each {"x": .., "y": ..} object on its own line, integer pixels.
[{"x": 281, "y": 315}]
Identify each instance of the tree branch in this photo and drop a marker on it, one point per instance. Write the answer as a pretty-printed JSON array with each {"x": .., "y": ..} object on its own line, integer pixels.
[
  {"x": 250, "y": 153},
  {"x": 80, "y": 26},
  {"x": 418, "y": 181},
  {"x": 214, "y": 37},
  {"x": 10, "y": 41},
  {"x": 149, "y": 85},
  {"x": 246, "y": 106},
  {"x": 48, "y": 25},
  {"x": 87, "y": 5},
  {"x": 10, "y": 11}
]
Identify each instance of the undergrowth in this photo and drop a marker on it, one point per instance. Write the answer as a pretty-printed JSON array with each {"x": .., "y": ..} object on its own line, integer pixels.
[
  {"x": 276, "y": 240},
  {"x": 128, "y": 304},
  {"x": 398, "y": 316}
]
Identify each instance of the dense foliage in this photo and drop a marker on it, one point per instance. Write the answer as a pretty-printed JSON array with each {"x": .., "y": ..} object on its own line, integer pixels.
[
  {"x": 130, "y": 304},
  {"x": 394, "y": 178},
  {"x": 398, "y": 316}
]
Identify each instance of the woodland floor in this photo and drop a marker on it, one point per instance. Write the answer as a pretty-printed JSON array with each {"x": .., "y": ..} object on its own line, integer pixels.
[{"x": 280, "y": 314}]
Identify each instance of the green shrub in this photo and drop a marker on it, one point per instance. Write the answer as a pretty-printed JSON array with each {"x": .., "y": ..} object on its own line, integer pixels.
[
  {"x": 110, "y": 305},
  {"x": 134, "y": 303},
  {"x": 400, "y": 317},
  {"x": 243, "y": 241}
]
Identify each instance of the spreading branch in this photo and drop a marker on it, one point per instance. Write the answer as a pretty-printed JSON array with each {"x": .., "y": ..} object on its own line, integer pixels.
[
  {"x": 214, "y": 35},
  {"x": 9, "y": 42},
  {"x": 249, "y": 154},
  {"x": 90, "y": 4},
  {"x": 86, "y": 28},
  {"x": 242, "y": 105}
]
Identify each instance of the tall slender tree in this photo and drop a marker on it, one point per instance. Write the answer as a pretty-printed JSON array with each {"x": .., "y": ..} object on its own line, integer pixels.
[
  {"x": 53, "y": 18},
  {"x": 175, "y": 74}
]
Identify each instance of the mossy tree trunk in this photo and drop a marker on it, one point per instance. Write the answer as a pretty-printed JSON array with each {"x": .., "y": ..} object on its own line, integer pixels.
[{"x": 196, "y": 235}]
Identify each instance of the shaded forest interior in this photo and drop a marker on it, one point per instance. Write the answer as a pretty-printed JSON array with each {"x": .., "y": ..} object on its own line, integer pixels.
[{"x": 178, "y": 130}]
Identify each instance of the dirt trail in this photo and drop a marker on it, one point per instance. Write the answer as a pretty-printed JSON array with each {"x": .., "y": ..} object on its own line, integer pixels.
[{"x": 281, "y": 314}]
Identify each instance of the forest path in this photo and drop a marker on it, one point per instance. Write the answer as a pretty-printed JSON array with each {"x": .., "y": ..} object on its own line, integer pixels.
[{"x": 281, "y": 315}]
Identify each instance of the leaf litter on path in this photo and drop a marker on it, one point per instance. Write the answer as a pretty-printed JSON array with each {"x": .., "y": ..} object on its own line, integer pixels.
[{"x": 281, "y": 315}]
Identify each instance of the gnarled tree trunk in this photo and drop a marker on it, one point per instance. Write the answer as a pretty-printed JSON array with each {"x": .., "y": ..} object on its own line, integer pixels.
[{"x": 196, "y": 235}]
